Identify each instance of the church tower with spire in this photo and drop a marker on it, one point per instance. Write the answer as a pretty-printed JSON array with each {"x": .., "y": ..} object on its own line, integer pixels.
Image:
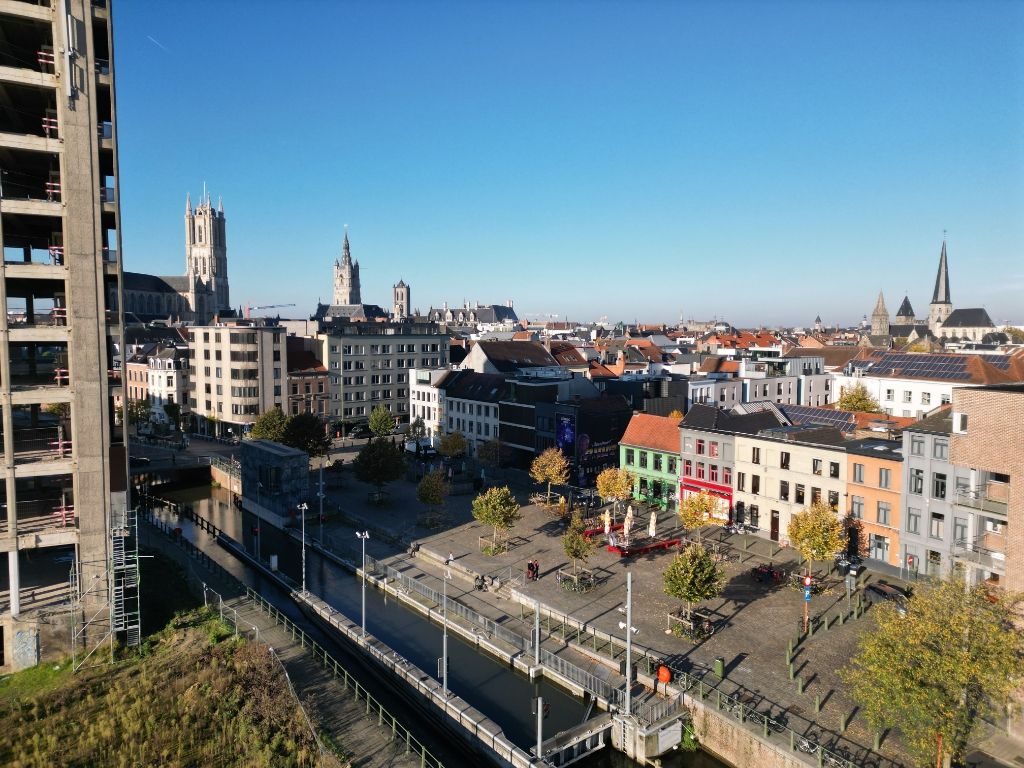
[
  {"x": 346, "y": 278},
  {"x": 206, "y": 251},
  {"x": 941, "y": 307},
  {"x": 880, "y": 318}
]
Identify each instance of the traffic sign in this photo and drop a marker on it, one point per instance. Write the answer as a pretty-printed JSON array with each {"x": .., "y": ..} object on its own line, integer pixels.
[{"x": 807, "y": 594}]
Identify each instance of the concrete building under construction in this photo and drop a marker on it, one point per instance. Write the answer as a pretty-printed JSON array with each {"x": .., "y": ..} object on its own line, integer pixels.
[{"x": 66, "y": 531}]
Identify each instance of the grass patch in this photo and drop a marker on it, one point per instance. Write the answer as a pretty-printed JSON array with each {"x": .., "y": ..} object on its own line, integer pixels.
[{"x": 198, "y": 696}]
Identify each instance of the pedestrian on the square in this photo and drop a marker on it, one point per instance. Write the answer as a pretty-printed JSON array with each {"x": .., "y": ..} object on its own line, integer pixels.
[
  {"x": 451, "y": 557},
  {"x": 536, "y": 570}
]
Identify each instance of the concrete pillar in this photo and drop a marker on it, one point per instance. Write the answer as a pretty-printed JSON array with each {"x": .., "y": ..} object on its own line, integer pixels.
[{"x": 12, "y": 572}]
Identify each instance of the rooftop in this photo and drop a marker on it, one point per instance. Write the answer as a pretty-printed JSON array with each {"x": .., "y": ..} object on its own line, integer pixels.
[{"x": 658, "y": 432}]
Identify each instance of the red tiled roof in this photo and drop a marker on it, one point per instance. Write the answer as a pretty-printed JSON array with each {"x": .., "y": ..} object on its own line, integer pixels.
[
  {"x": 598, "y": 371},
  {"x": 719, "y": 365},
  {"x": 566, "y": 354},
  {"x": 658, "y": 432}
]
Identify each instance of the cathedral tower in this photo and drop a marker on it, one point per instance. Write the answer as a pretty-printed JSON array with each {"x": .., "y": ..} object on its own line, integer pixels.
[
  {"x": 346, "y": 278},
  {"x": 400, "y": 293},
  {"x": 206, "y": 251},
  {"x": 941, "y": 306},
  {"x": 880, "y": 318}
]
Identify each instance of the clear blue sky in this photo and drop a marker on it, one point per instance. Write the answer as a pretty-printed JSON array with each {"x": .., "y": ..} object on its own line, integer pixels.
[{"x": 763, "y": 162}]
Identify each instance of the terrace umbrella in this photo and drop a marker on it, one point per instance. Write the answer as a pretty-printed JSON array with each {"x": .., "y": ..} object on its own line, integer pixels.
[
  {"x": 652, "y": 527},
  {"x": 626, "y": 526},
  {"x": 607, "y": 522}
]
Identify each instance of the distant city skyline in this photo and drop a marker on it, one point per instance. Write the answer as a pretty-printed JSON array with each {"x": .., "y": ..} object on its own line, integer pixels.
[{"x": 762, "y": 163}]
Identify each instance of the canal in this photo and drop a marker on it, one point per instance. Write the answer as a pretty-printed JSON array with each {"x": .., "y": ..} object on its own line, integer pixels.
[{"x": 483, "y": 681}]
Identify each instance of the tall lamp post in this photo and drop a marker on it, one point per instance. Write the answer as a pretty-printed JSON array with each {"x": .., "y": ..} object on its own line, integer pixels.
[
  {"x": 444, "y": 632},
  {"x": 302, "y": 511},
  {"x": 630, "y": 631},
  {"x": 320, "y": 495},
  {"x": 363, "y": 536}
]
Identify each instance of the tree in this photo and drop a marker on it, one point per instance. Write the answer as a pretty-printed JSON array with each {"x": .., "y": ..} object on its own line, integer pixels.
[
  {"x": 60, "y": 410},
  {"x": 381, "y": 422},
  {"x": 417, "y": 429},
  {"x": 269, "y": 425},
  {"x": 614, "y": 483},
  {"x": 432, "y": 492},
  {"x": 131, "y": 411},
  {"x": 492, "y": 454},
  {"x": 856, "y": 398},
  {"x": 693, "y": 576},
  {"x": 173, "y": 411},
  {"x": 306, "y": 432},
  {"x": 453, "y": 445},
  {"x": 380, "y": 461},
  {"x": 498, "y": 508},
  {"x": 816, "y": 533},
  {"x": 675, "y": 413},
  {"x": 937, "y": 672},
  {"x": 577, "y": 547},
  {"x": 695, "y": 510},
  {"x": 550, "y": 467}
]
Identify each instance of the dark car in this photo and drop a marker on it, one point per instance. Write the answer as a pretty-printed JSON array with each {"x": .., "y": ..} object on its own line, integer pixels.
[
  {"x": 138, "y": 461},
  {"x": 359, "y": 431},
  {"x": 880, "y": 591}
]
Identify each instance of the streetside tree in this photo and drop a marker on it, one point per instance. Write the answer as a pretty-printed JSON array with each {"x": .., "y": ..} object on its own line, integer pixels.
[
  {"x": 816, "y": 533},
  {"x": 491, "y": 454},
  {"x": 615, "y": 484},
  {"x": 379, "y": 462},
  {"x": 549, "y": 467},
  {"x": 856, "y": 398},
  {"x": 432, "y": 491},
  {"x": 381, "y": 422},
  {"x": 695, "y": 511},
  {"x": 306, "y": 432},
  {"x": 417, "y": 429},
  {"x": 675, "y": 413},
  {"x": 498, "y": 508},
  {"x": 453, "y": 445},
  {"x": 693, "y": 576},
  {"x": 269, "y": 425},
  {"x": 936, "y": 673},
  {"x": 577, "y": 547}
]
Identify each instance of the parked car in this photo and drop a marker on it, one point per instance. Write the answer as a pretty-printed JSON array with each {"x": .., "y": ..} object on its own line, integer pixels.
[
  {"x": 138, "y": 461},
  {"x": 881, "y": 591},
  {"x": 359, "y": 431}
]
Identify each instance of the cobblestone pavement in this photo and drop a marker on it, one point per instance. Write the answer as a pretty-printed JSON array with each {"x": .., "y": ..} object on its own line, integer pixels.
[{"x": 755, "y": 621}]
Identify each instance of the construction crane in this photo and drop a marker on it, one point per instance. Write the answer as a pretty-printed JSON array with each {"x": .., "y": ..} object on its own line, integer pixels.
[{"x": 248, "y": 309}]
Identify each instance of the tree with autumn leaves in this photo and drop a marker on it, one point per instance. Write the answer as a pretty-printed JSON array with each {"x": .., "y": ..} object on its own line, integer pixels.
[
  {"x": 816, "y": 533},
  {"x": 615, "y": 484},
  {"x": 549, "y": 467},
  {"x": 696, "y": 510},
  {"x": 937, "y": 672}
]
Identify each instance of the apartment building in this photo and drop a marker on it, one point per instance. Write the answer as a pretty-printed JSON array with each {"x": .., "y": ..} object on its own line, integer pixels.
[
  {"x": 135, "y": 372},
  {"x": 789, "y": 381},
  {"x": 782, "y": 470},
  {"x": 425, "y": 398},
  {"x": 931, "y": 481},
  {"x": 167, "y": 383},
  {"x": 308, "y": 385},
  {"x": 724, "y": 393},
  {"x": 874, "y": 497},
  {"x": 468, "y": 403},
  {"x": 708, "y": 438},
  {"x": 370, "y": 364},
  {"x": 988, "y": 443},
  {"x": 236, "y": 372},
  {"x": 649, "y": 449},
  {"x": 65, "y": 476}
]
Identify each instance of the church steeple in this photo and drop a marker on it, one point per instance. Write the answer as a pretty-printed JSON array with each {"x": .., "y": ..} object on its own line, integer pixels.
[
  {"x": 188, "y": 203},
  {"x": 941, "y": 306},
  {"x": 346, "y": 277},
  {"x": 880, "y": 318}
]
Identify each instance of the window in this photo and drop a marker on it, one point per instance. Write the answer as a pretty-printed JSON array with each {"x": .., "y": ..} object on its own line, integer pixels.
[
  {"x": 816, "y": 466},
  {"x": 687, "y": 468},
  {"x": 753, "y": 517},
  {"x": 913, "y": 520},
  {"x": 940, "y": 450},
  {"x": 658, "y": 461},
  {"x": 884, "y": 477},
  {"x": 917, "y": 481},
  {"x": 798, "y": 495},
  {"x": 713, "y": 473},
  {"x": 938, "y": 485},
  {"x": 643, "y": 459},
  {"x": 937, "y": 522},
  {"x": 858, "y": 473},
  {"x": 700, "y": 470},
  {"x": 959, "y": 529},
  {"x": 755, "y": 455},
  {"x": 890, "y": 394},
  {"x": 908, "y": 396},
  {"x": 688, "y": 445},
  {"x": 784, "y": 490},
  {"x": 741, "y": 481},
  {"x": 857, "y": 507},
  {"x": 726, "y": 476},
  {"x": 713, "y": 449},
  {"x": 879, "y": 547},
  {"x": 916, "y": 445},
  {"x": 784, "y": 460},
  {"x": 672, "y": 465},
  {"x": 833, "y": 499},
  {"x": 700, "y": 448},
  {"x": 926, "y": 398},
  {"x": 755, "y": 484},
  {"x": 883, "y": 512},
  {"x": 629, "y": 457},
  {"x": 833, "y": 469},
  {"x": 815, "y": 495}
]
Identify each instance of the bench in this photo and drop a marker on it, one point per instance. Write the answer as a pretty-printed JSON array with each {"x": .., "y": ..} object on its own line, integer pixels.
[{"x": 643, "y": 549}]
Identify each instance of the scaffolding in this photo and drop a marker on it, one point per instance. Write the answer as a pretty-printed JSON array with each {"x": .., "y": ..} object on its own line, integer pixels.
[{"x": 106, "y": 594}]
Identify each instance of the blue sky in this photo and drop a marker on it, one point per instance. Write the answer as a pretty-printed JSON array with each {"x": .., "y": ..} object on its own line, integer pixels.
[{"x": 763, "y": 162}]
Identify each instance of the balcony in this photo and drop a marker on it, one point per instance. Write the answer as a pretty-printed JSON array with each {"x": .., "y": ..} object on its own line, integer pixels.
[
  {"x": 987, "y": 552},
  {"x": 990, "y": 499}
]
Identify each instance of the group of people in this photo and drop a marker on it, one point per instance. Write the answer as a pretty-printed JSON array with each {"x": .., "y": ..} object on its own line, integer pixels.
[{"x": 532, "y": 570}]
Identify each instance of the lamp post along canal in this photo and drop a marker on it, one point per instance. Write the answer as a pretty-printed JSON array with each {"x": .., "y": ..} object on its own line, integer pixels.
[
  {"x": 627, "y": 625},
  {"x": 363, "y": 536},
  {"x": 302, "y": 511},
  {"x": 444, "y": 631}
]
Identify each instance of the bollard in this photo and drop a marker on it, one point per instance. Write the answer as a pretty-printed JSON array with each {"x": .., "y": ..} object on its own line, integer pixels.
[
  {"x": 878, "y": 740},
  {"x": 792, "y": 672},
  {"x": 800, "y": 684},
  {"x": 841, "y": 618},
  {"x": 817, "y": 703},
  {"x": 719, "y": 667},
  {"x": 844, "y": 720}
]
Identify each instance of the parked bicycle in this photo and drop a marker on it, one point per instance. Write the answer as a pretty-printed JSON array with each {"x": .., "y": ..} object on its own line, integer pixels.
[{"x": 765, "y": 573}]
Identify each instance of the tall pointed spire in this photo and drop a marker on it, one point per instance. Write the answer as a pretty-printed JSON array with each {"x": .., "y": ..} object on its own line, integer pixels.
[
  {"x": 188, "y": 203},
  {"x": 880, "y": 306},
  {"x": 941, "y": 295},
  {"x": 220, "y": 205},
  {"x": 346, "y": 254}
]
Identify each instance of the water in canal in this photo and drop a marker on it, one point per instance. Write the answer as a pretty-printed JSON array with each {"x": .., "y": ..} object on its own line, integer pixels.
[{"x": 484, "y": 682}]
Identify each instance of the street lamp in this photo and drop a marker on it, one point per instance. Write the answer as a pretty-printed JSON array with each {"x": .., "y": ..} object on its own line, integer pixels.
[
  {"x": 320, "y": 495},
  {"x": 444, "y": 632},
  {"x": 363, "y": 536},
  {"x": 630, "y": 631},
  {"x": 302, "y": 509}
]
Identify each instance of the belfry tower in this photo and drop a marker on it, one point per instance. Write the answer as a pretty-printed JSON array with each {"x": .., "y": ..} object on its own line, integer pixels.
[
  {"x": 346, "y": 278},
  {"x": 400, "y": 295},
  {"x": 206, "y": 251}
]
